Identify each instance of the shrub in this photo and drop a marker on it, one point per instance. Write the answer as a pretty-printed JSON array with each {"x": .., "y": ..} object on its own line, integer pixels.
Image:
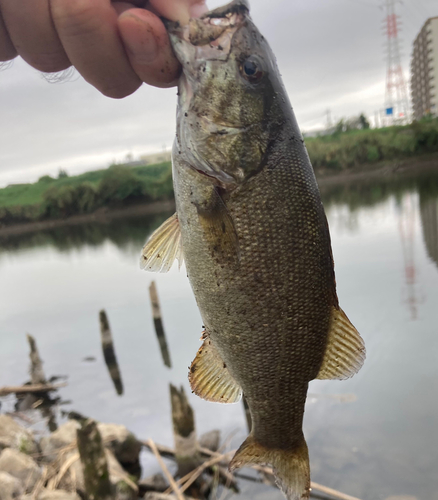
[
  {"x": 46, "y": 179},
  {"x": 120, "y": 184},
  {"x": 69, "y": 200}
]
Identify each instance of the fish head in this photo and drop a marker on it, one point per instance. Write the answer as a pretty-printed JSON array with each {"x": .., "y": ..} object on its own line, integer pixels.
[{"x": 228, "y": 112}]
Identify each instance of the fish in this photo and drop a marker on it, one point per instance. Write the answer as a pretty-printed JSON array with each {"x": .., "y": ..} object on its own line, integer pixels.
[{"x": 252, "y": 232}]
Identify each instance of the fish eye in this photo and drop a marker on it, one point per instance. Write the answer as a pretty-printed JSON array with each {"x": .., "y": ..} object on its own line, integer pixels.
[{"x": 252, "y": 69}]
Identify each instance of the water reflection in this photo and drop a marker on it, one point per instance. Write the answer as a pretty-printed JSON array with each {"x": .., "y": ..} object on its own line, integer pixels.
[
  {"x": 385, "y": 239},
  {"x": 429, "y": 221},
  {"x": 126, "y": 234}
]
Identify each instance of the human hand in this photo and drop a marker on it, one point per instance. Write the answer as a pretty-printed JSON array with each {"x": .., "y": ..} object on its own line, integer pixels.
[{"x": 115, "y": 46}]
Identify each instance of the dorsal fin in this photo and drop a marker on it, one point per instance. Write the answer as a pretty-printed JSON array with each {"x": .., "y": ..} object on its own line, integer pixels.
[
  {"x": 163, "y": 247},
  {"x": 345, "y": 352},
  {"x": 209, "y": 376}
]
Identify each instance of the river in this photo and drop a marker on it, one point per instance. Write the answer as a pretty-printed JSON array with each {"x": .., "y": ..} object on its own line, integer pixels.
[{"x": 374, "y": 436}]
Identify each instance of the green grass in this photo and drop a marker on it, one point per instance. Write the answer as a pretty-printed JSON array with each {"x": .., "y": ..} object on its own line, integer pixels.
[
  {"x": 345, "y": 150},
  {"x": 33, "y": 194},
  {"x": 116, "y": 186}
]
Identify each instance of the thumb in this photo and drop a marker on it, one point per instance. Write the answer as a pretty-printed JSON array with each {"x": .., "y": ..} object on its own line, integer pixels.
[{"x": 148, "y": 47}]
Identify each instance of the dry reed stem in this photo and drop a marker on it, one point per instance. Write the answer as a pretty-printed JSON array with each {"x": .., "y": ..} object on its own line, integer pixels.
[
  {"x": 266, "y": 470},
  {"x": 190, "y": 478},
  {"x": 168, "y": 475}
]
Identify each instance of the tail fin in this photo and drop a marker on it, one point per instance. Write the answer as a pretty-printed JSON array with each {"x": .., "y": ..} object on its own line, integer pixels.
[{"x": 291, "y": 467}]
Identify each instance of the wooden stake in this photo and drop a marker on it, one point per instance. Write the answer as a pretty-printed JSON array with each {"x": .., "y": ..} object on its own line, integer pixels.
[
  {"x": 36, "y": 365},
  {"x": 94, "y": 463},
  {"x": 184, "y": 432},
  {"x": 158, "y": 324},
  {"x": 109, "y": 352},
  {"x": 247, "y": 414}
]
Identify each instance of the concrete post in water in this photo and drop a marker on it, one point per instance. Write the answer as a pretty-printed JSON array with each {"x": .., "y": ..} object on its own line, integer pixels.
[
  {"x": 158, "y": 323},
  {"x": 109, "y": 353},
  {"x": 94, "y": 463},
  {"x": 184, "y": 432}
]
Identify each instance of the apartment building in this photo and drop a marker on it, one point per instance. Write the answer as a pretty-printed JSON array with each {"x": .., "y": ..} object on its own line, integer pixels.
[{"x": 424, "y": 71}]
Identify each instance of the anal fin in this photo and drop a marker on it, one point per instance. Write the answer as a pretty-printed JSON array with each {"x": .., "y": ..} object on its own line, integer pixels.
[
  {"x": 209, "y": 376},
  {"x": 345, "y": 352},
  {"x": 163, "y": 247}
]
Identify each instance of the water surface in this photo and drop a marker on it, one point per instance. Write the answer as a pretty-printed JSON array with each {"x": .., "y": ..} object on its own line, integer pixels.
[{"x": 373, "y": 437}]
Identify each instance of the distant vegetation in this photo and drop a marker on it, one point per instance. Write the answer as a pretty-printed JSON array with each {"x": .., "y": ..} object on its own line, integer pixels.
[
  {"x": 346, "y": 148},
  {"x": 349, "y": 147},
  {"x": 117, "y": 186}
]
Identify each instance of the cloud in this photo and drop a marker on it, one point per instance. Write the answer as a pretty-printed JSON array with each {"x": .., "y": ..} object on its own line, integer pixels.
[{"x": 330, "y": 54}]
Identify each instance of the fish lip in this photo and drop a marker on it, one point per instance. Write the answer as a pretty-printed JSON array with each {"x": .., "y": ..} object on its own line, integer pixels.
[
  {"x": 234, "y": 7},
  {"x": 227, "y": 16}
]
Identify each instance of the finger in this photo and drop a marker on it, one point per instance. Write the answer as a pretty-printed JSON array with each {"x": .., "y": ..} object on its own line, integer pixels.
[
  {"x": 89, "y": 35},
  {"x": 7, "y": 49},
  {"x": 32, "y": 33},
  {"x": 148, "y": 47},
  {"x": 179, "y": 10}
]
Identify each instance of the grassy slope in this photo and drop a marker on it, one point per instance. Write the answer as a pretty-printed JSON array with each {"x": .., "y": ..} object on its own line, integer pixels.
[
  {"x": 32, "y": 194},
  {"x": 343, "y": 151}
]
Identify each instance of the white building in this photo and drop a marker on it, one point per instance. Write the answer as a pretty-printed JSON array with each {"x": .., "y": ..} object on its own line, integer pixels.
[{"x": 424, "y": 71}]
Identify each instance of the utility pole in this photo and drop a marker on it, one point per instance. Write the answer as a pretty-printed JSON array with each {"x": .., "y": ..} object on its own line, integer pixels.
[
  {"x": 396, "y": 96},
  {"x": 329, "y": 119},
  {"x": 376, "y": 119}
]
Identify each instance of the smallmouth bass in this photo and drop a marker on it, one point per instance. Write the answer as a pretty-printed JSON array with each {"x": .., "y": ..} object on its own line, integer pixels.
[{"x": 252, "y": 231}]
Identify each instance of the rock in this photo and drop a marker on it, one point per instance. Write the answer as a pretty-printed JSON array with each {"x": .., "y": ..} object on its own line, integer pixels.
[
  {"x": 210, "y": 440},
  {"x": 153, "y": 483},
  {"x": 117, "y": 438},
  {"x": 12, "y": 435},
  {"x": 74, "y": 476},
  {"x": 64, "y": 436},
  {"x": 10, "y": 487},
  {"x": 401, "y": 497},
  {"x": 159, "y": 496},
  {"x": 57, "y": 495},
  {"x": 121, "y": 442},
  {"x": 21, "y": 466}
]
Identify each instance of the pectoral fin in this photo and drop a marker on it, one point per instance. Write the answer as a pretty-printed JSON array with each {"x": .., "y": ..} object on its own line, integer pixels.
[
  {"x": 209, "y": 376},
  {"x": 163, "y": 247},
  {"x": 345, "y": 352},
  {"x": 219, "y": 228}
]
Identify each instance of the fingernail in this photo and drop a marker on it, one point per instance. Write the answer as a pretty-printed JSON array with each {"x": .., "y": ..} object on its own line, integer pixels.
[{"x": 198, "y": 9}]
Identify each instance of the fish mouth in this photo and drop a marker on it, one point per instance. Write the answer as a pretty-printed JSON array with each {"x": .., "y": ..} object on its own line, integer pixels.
[{"x": 209, "y": 36}]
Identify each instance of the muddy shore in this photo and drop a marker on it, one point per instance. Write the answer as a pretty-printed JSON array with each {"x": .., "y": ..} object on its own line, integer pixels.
[
  {"x": 387, "y": 171},
  {"x": 102, "y": 216}
]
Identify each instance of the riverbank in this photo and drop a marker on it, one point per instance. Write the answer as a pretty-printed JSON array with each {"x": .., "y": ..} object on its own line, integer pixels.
[
  {"x": 387, "y": 171},
  {"x": 395, "y": 169},
  {"x": 123, "y": 190}
]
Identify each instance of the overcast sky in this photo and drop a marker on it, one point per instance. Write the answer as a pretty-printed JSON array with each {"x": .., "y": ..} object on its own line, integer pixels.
[{"x": 330, "y": 53}]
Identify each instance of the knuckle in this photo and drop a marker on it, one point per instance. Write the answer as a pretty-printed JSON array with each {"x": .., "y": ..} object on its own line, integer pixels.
[{"x": 75, "y": 16}]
